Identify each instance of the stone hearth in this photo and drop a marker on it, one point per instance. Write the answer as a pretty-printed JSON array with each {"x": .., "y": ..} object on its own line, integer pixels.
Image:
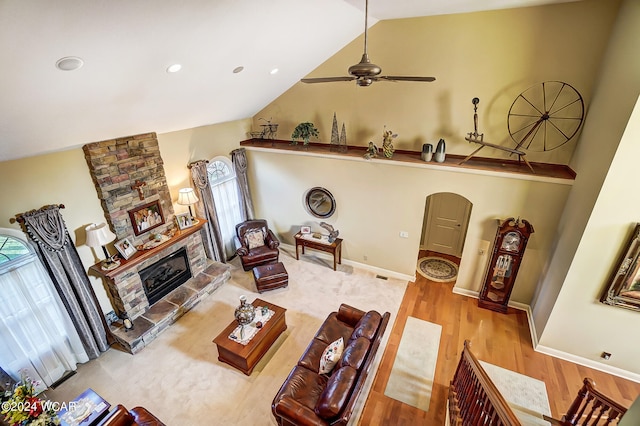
[
  {"x": 127, "y": 294},
  {"x": 171, "y": 307}
]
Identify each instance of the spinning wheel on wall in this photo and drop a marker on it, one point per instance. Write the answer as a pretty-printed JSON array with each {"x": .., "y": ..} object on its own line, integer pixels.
[{"x": 545, "y": 116}]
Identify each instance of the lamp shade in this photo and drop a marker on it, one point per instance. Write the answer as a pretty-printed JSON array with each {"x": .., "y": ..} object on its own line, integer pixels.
[
  {"x": 99, "y": 235},
  {"x": 187, "y": 196}
]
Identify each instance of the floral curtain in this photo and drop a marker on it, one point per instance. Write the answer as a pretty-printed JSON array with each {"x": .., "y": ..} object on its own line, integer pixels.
[
  {"x": 53, "y": 245},
  {"x": 206, "y": 208},
  {"x": 239, "y": 159}
]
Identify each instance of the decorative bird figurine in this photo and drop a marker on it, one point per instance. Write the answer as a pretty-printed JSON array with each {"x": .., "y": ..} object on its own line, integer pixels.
[{"x": 333, "y": 233}]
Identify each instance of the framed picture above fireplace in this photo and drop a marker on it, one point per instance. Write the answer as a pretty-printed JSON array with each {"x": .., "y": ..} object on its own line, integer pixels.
[{"x": 146, "y": 217}]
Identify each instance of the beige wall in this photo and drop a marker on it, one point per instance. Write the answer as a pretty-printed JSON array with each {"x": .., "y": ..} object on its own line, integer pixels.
[
  {"x": 63, "y": 178},
  {"x": 490, "y": 55},
  {"x": 599, "y": 214},
  {"x": 377, "y": 200}
]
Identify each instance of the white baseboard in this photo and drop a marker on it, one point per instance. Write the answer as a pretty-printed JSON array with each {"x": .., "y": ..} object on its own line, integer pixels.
[
  {"x": 596, "y": 365},
  {"x": 374, "y": 269}
]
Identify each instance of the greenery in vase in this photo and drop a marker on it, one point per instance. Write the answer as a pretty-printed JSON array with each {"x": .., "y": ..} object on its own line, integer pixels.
[
  {"x": 304, "y": 131},
  {"x": 24, "y": 408}
]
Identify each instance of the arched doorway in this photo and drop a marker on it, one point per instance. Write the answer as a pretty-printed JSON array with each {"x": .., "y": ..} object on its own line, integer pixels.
[{"x": 444, "y": 227}]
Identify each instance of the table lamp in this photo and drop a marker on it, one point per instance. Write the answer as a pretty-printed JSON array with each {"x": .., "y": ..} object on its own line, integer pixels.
[
  {"x": 187, "y": 197},
  {"x": 99, "y": 236}
]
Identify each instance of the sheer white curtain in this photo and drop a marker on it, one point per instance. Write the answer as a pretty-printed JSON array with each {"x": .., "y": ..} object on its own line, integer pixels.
[
  {"x": 226, "y": 196},
  {"x": 36, "y": 333}
]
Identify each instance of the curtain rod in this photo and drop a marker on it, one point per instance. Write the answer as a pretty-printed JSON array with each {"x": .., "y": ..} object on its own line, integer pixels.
[{"x": 20, "y": 219}]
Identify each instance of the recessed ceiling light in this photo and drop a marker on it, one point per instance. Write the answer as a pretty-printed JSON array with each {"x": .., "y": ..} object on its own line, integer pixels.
[
  {"x": 236, "y": 70},
  {"x": 274, "y": 71},
  {"x": 69, "y": 63},
  {"x": 174, "y": 68}
]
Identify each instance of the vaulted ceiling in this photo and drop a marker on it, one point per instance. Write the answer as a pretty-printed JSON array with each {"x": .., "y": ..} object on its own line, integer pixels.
[{"x": 126, "y": 46}]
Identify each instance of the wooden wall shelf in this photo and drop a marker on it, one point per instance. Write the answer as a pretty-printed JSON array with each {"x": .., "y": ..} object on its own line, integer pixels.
[{"x": 557, "y": 173}]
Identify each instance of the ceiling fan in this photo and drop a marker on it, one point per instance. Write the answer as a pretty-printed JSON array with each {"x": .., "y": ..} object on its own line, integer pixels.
[{"x": 364, "y": 72}]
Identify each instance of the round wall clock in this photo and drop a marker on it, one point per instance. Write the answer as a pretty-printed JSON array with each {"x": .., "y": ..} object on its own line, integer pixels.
[{"x": 319, "y": 202}]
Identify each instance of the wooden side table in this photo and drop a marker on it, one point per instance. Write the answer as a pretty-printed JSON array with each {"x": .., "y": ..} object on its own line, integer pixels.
[{"x": 335, "y": 248}]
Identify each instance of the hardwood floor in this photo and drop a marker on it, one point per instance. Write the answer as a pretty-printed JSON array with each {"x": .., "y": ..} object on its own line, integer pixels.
[{"x": 501, "y": 339}]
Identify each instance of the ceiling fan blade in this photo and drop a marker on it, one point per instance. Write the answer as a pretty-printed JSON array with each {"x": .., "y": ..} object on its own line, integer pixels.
[
  {"x": 327, "y": 79},
  {"x": 405, "y": 78}
]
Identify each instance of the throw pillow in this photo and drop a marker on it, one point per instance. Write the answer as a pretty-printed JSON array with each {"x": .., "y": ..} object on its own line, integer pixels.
[
  {"x": 254, "y": 238},
  {"x": 331, "y": 356}
]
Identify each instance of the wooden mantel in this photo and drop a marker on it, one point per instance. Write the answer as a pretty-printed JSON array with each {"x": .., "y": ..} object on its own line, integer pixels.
[
  {"x": 142, "y": 255},
  {"x": 557, "y": 173}
]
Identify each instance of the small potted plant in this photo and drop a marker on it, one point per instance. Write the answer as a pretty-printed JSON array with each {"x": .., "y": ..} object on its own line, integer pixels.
[{"x": 304, "y": 131}]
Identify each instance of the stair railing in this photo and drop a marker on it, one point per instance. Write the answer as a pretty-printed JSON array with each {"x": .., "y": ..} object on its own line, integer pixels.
[{"x": 474, "y": 399}]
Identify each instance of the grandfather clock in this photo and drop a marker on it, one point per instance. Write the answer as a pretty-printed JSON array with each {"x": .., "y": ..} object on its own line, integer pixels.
[{"x": 508, "y": 248}]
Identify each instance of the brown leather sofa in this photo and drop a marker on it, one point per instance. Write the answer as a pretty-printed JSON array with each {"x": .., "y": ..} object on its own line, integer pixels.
[
  {"x": 310, "y": 398},
  {"x": 120, "y": 416},
  {"x": 268, "y": 253}
]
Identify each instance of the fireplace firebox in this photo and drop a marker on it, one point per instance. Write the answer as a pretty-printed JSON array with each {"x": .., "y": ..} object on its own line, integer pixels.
[{"x": 165, "y": 275}]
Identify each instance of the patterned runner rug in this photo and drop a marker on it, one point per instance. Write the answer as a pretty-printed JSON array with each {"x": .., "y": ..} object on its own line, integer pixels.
[
  {"x": 437, "y": 269},
  {"x": 411, "y": 378}
]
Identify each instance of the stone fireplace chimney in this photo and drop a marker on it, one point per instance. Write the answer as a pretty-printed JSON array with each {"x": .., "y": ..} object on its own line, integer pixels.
[{"x": 124, "y": 168}]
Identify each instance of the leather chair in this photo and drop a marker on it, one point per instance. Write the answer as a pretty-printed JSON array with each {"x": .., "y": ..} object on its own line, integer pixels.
[
  {"x": 255, "y": 256},
  {"x": 138, "y": 416}
]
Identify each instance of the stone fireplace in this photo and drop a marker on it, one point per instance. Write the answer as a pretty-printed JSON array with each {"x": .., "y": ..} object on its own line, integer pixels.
[
  {"x": 165, "y": 275},
  {"x": 160, "y": 282}
]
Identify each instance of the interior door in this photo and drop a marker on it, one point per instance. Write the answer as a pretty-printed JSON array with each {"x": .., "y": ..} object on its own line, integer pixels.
[{"x": 446, "y": 224}]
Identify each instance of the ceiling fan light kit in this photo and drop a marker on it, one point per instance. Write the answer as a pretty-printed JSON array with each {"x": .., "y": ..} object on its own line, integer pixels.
[{"x": 364, "y": 72}]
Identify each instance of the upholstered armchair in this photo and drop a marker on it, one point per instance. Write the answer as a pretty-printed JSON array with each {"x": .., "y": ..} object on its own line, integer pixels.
[{"x": 256, "y": 244}]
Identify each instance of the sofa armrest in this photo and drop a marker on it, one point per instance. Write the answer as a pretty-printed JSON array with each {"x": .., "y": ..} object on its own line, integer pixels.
[
  {"x": 272, "y": 241},
  {"x": 297, "y": 414},
  {"x": 144, "y": 418},
  {"x": 119, "y": 416},
  {"x": 349, "y": 314}
]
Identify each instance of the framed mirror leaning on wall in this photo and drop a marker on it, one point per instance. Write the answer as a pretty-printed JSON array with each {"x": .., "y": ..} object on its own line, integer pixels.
[
  {"x": 319, "y": 202},
  {"x": 623, "y": 289}
]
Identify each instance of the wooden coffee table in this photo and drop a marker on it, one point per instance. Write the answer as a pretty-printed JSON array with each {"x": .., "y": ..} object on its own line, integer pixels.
[{"x": 245, "y": 357}]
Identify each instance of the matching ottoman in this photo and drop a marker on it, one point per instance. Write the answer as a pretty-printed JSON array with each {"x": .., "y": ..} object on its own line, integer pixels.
[{"x": 270, "y": 277}]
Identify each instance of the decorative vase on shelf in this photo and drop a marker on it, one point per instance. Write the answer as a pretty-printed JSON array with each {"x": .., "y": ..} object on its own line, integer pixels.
[
  {"x": 245, "y": 313},
  {"x": 427, "y": 152},
  {"x": 440, "y": 154}
]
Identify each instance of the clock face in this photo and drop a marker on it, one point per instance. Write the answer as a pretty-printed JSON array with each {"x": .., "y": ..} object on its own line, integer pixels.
[{"x": 511, "y": 241}]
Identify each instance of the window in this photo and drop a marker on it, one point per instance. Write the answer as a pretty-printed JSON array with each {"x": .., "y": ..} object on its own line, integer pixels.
[
  {"x": 11, "y": 248},
  {"x": 226, "y": 196},
  {"x": 36, "y": 333}
]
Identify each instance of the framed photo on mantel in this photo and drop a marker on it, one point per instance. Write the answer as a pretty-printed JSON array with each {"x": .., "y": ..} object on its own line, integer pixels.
[{"x": 146, "y": 217}]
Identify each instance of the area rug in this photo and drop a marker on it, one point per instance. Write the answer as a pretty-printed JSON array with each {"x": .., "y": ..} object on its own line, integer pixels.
[
  {"x": 526, "y": 396},
  {"x": 411, "y": 378},
  {"x": 178, "y": 376},
  {"x": 437, "y": 269}
]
